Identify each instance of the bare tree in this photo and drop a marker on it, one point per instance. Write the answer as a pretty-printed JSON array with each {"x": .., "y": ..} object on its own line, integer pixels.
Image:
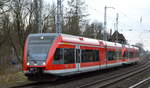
[
  {"x": 94, "y": 30},
  {"x": 17, "y": 33},
  {"x": 74, "y": 17},
  {"x": 50, "y": 19}
]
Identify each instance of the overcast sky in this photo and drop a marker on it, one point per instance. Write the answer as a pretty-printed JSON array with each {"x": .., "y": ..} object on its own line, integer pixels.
[{"x": 130, "y": 13}]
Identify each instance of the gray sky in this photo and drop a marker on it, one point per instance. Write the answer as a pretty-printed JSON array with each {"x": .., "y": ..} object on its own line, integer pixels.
[{"x": 130, "y": 12}]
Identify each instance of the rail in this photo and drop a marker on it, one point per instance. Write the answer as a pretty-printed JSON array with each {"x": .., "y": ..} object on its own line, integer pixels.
[
  {"x": 139, "y": 83},
  {"x": 114, "y": 78}
]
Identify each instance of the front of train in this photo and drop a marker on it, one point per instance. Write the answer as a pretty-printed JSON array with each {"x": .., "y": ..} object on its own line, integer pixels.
[{"x": 36, "y": 51}]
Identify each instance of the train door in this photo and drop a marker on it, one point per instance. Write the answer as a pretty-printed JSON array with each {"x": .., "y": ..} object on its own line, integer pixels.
[
  {"x": 106, "y": 58},
  {"x": 78, "y": 57},
  {"x": 103, "y": 58}
]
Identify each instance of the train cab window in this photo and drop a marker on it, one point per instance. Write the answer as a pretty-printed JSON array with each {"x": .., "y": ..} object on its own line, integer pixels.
[
  {"x": 69, "y": 56},
  {"x": 64, "y": 56},
  {"x": 58, "y": 57},
  {"x": 111, "y": 55},
  {"x": 89, "y": 55}
]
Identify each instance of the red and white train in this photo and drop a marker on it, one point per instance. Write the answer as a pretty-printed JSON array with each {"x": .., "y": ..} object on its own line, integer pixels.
[{"x": 52, "y": 54}]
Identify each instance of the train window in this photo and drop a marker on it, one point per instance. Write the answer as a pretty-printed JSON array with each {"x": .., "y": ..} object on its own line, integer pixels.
[
  {"x": 64, "y": 56},
  {"x": 89, "y": 55},
  {"x": 111, "y": 55},
  {"x": 58, "y": 57},
  {"x": 134, "y": 54},
  {"x": 119, "y": 53},
  {"x": 69, "y": 56},
  {"x": 131, "y": 55},
  {"x": 137, "y": 54},
  {"x": 126, "y": 54}
]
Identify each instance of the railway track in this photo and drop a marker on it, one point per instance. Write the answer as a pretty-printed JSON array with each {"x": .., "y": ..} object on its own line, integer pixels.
[
  {"x": 80, "y": 80},
  {"x": 102, "y": 83},
  {"x": 141, "y": 84}
]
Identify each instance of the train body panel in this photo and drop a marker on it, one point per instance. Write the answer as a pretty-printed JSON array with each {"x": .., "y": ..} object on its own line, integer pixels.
[{"x": 61, "y": 54}]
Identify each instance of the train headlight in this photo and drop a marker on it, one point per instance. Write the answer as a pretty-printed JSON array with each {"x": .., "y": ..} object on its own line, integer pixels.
[
  {"x": 44, "y": 63},
  {"x": 28, "y": 63},
  {"x": 41, "y": 37}
]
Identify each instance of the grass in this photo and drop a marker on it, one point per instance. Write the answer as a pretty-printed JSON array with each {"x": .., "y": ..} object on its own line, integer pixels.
[{"x": 12, "y": 79}]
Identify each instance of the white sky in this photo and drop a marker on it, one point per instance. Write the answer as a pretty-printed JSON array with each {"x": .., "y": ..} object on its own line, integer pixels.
[{"x": 130, "y": 12}]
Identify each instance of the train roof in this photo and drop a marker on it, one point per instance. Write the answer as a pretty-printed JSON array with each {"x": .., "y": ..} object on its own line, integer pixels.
[
  {"x": 43, "y": 34},
  {"x": 84, "y": 40},
  {"x": 79, "y": 39}
]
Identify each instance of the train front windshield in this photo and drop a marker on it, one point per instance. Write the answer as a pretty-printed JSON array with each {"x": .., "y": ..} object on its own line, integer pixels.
[{"x": 38, "y": 48}]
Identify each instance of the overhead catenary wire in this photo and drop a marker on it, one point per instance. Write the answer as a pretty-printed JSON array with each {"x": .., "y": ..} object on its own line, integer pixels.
[
  {"x": 95, "y": 11},
  {"x": 52, "y": 12},
  {"x": 113, "y": 18}
]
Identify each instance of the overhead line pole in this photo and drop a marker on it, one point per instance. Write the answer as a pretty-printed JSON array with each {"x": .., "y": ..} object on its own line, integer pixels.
[
  {"x": 105, "y": 22},
  {"x": 38, "y": 5},
  {"x": 59, "y": 17},
  {"x": 117, "y": 17}
]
